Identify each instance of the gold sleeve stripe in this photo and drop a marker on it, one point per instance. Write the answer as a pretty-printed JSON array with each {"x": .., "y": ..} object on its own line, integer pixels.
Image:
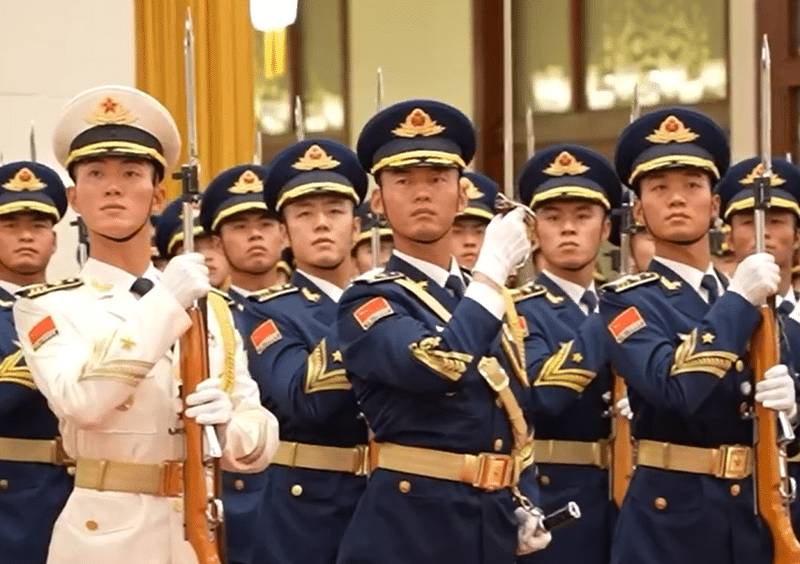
[
  {"x": 553, "y": 372},
  {"x": 714, "y": 362},
  {"x": 11, "y": 371},
  {"x": 449, "y": 364},
  {"x": 318, "y": 377}
]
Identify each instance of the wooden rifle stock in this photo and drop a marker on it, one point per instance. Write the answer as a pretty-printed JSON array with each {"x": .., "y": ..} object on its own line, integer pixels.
[
  {"x": 202, "y": 512},
  {"x": 772, "y": 482},
  {"x": 621, "y": 467}
]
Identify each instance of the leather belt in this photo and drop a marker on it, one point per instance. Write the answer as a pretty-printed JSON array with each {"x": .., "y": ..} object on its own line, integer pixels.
[
  {"x": 486, "y": 471},
  {"x": 352, "y": 460},
  {"x": 163, "y": 480},
  {"x": 732, "y": 462},
  {"x": 34, "y": 450},
  {"x": 573, "y": 452}
]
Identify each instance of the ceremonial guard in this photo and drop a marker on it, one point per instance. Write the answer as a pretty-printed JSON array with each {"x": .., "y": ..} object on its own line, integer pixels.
[
  {"x": 782, "y": 238},
  {"x": 101, "y": 346},
  {"x": 35, "y": 478},
  {"x": 469, "y": 228},
  {"x": 572, "y": 190},
  {"x": 362, "y": 250},
  {"x": 679, "y": 339},
  {"x": 437, "y": 373},
  {"x": 319, "y": 471}
]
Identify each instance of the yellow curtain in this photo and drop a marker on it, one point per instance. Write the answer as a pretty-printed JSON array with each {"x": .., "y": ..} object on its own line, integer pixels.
[{"x": 223, "y": 40}]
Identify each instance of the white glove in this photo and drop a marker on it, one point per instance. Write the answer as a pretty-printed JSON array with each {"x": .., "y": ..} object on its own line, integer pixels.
[
  {"x": 208, "y": 404},
  {"x": 777, "y": 390},
  {"x": 505, "y": 245},
  {"x": 624, "y": 407},
  {"x": 531, "y": 535},
  {"x": 756, "y": 278},
  {"x": 186, "y": 278}
]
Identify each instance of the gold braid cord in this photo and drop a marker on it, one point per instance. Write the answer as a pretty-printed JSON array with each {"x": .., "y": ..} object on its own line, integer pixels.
[{"x": 449, "y": 364}]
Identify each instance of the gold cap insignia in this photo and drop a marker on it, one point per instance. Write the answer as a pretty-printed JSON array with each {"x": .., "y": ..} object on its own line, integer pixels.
[
  {"x": 672, "y": 130},
  {"x": 248, "y": 182},
  {"x": 566, "y": 163},
  {"x": 316, "y": 158},
  {"x": 473, "y": 193},
  {"x": 758, "y": 170},
  {"x": 110, "y": 111},
  {"x": 418, "y": 122},
  {"x": 24, "y": 180}
]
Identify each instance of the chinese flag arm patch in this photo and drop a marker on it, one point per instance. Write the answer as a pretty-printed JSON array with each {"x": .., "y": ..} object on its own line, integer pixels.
[
  {"x": 42, "y": 332},
  {"x": 265, "y": 335},
  {"x": 626, "y": 324},
  {"x": 372, "y": 311}
]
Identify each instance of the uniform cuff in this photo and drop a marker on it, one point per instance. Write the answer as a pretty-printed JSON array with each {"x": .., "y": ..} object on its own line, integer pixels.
[{"x": 491, "y": 300}]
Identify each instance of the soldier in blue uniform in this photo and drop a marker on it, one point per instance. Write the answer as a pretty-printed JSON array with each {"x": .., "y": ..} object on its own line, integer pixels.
[
  {"x": 572, "y": 190},
  {"x": 362, "y": 249},
  {"x": 679, "y": 339},
  {"x": 319, "y": 472},
  {"x": 34, "y": 479},
  {"x": 469, "y": 227},
  {"x": 782, "y": 238},
  {"x": 437, "y": 373}
]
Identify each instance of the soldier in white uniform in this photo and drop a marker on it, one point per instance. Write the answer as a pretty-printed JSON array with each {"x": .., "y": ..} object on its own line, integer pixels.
[{"x": 101, "y": 347}]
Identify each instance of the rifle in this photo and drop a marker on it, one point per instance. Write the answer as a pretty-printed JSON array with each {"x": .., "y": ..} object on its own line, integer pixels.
[
  {"x": 202, "y": 509},
  {"x": 83, "y": 240},
  {"x": 375, "y": 232},
  {"x": 773, "y": 489},
  {"x": 621, "y": 467}
]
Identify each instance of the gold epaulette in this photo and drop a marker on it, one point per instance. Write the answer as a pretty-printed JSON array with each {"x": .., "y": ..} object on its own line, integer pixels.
[
  {"x": 373, "y": 277},
  {"x": 627, "y": 282},
  {"x": 273, "y": 292},
  {"x": 37, "y": 290},
  {"x": 224, "y": 295},
  {"x": 534, "y": 290},
  {"x": 6, "y": 304}
]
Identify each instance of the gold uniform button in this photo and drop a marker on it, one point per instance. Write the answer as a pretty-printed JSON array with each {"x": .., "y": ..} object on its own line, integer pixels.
[
  {"x": 544, "y": 480},
  {"x": 498, "y": 444},
  {"x": 3, "y": 484},
  {"x": 71, "y": 470},
  {"x": 297, "y": 490},
  {"x": 739, "y": 365},
  {"x": 91, "y": 525},
  {"x": 660, "y": 503},
  {"x": 736, "y": 489},
  {"x": 404, "y": 486},
  {"x": 239, "y": 485}
]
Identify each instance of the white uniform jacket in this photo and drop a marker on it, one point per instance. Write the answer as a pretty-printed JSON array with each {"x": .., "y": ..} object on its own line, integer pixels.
[{"x": 108, "y": 365}]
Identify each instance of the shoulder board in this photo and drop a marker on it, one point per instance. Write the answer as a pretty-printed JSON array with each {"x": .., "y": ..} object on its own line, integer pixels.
[
  {"x": 372, "y": 277},
  {"x": 627, "y": 282},
  {"x": 273, "y": 292},
  {"x": 224, "y": 295},
  {"x": 530, "y": 290},
  {"x": 41, "y": 289}
]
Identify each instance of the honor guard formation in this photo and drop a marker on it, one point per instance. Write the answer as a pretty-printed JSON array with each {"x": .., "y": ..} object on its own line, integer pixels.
[{"x": 424, "y": 372}]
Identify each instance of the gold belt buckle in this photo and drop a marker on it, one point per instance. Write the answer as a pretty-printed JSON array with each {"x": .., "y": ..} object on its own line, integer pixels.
[
  {"x": 171, "y": 478},
  {"x": 362, "y": 460},
  {"x": 735, "y": 461},
  {"x": 495, "y": 471}
]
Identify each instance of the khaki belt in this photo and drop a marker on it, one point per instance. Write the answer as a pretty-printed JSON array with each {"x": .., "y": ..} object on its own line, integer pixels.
[
  {"x": 795, "y": 458},
  {"x": 732, "y": 462},
  {"x": 353, "y": 460},
  {"x": 162, "y": 480},
  {"x": 573, "y": 452},
  {"x": 33, "y": 450},
  {"x": 487, "y": 471}
]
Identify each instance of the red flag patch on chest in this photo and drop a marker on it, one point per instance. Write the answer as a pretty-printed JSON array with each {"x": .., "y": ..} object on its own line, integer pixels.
[
  {"x": 42, "y": 332},
  {"x": 626, "y": 324},
  {"x": 372, "y": 311},
  {"x": 264, "y": 335}
]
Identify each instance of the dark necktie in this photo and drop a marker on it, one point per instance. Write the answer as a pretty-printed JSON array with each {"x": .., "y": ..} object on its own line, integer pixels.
[
  {"x": 709, "y": 283},
  {"x": 589, "y": 299},
  {"x": 141, "y": 286},
  {"x": 785, "y": 308},
  {"x": 455, "y": 285}
]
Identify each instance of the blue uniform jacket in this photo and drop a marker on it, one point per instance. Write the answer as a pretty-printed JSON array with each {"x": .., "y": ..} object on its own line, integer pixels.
[
  {"x": 293, "y": 350},
  {"x": 416, "y": 380},
  {"x": 31, "y": 494},
  {"x": 568, "y": 404},
  {"x": 687, "y": 384}
]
